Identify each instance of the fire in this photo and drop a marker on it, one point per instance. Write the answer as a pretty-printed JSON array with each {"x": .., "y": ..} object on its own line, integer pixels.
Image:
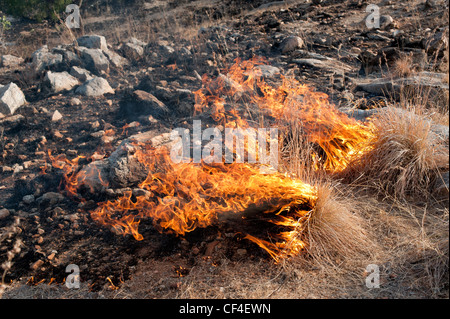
[
  {"x": 181, "y": 197},
  {"x": 340, "y": 137},
  {"x": 73, "y": 179},
  {"x": 184, "y": 196}
]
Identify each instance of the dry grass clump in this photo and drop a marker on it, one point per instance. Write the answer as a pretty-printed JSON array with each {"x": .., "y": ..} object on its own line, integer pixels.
[
  {"x": 403, "y": 67},
  {"x": 335, "y": 232},
  {"x": 406, "y": 156}
]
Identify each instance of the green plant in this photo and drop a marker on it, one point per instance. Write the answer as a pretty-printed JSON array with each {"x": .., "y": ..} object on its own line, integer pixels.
[
  {"x": 35, "y": 9},
  {"x": 4, "y": 25}
]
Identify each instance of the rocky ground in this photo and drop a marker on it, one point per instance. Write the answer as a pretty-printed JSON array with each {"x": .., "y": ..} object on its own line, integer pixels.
[{"x": 128, "y": 74}]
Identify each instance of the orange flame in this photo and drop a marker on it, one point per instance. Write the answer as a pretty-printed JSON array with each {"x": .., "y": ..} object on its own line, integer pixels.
[{"x": 184, "y": 196}]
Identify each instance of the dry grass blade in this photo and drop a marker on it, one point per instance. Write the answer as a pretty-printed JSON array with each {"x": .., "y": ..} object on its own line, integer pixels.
[
  {"x": 335, "y": 233},
  {"x": 406, "y": 157}
]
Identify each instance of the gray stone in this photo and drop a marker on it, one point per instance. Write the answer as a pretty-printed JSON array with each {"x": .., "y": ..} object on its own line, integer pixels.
[
  {"x": 42, "y": 60},
  {"x": 268, "y": 71},
  {"x": 10, "y": 61},
  {"x": 95, "y": 87},
  {"x": 50, "y": 198},
  {"x": 122, "y": 169},
  {"x": 328, "y": 64},
  {"x": 80, "y": 73},
  {"x": 432, "y": 82},
  {"x": 4, "y": 213},
  {"x": 59, "y": 81},
  {"x": 138, "y": 42},
  {"x": 132, "y": 51},
  {"x": 70, "y": 58},
  {"x": 360, "y": 115},
  {"x": 386, "y": 21},
  {"x": 93, "y": 42},
  {"x": 291, "y": 43},
  {"x": 116, "y": 59},
  {"x": 142, "y": 103},
  {"x": 94, "y": 60},
  {"x": 74, "y": 101},
  {"x": 28, "y": 199},
  {"x": 11, "y": 98}
]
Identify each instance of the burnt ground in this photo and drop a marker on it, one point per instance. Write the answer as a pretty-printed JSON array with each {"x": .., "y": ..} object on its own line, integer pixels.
[{"x": 59, "y": 231}]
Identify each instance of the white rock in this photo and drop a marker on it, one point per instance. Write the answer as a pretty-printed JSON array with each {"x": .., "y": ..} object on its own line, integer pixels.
[
  {"x": 116, "y": 59},
  {"x": 10, "y": 60},
  {"x": 132, "y": 51},
  {"x": 93, "y": 42},
  {"x": 75, "y": 101},
  {"x": 42, "y": 59},
  {"x": 80, "y": 73},
  {"x": 137, "y": 42},
  {"x": 95, "y": 87},
  {"x": 94, "y": 60},
  {"x": 11, "y": 98},
  {"x": 59, "y": 81},
  {"x": 56, "y": 116},
  {"x": 268, "y": 71}
]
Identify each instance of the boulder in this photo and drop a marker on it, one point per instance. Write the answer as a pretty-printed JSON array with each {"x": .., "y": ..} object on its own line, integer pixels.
[
  {"x": 81, "y": 74},
  {"x": 132, "y": 51},
  {"x": 42, "y": 60},
  {"x": 11, "y": 98},
  {"x": 95, "y": 87},
  {"x": 93, "y": 42},
  {"x": 122, "y": 169},
  {"x": 142, "y": 103},
  {"x": 70, "y": 58},
  {"x": 59, "y": 81},
  {"x": 116, "y": 59},
  {"x": 94, "y": 60},
  {"x": 10, "y": 61},
  {"x": 50, "y": 198}
]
